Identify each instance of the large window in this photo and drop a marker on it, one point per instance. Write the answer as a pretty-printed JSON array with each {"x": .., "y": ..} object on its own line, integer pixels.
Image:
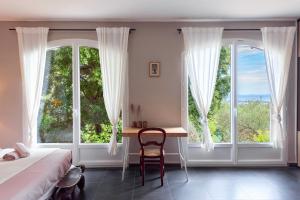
[
  {"x": 73, "y": 97},
  {"x": 242, "y": 86}
]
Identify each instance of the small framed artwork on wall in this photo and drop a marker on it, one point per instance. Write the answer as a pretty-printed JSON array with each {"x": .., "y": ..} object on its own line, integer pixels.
[{"x": 154, "y": 69}]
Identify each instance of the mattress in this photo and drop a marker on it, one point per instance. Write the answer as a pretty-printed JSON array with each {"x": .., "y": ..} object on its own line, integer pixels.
[{"x": 33, "y": 177}]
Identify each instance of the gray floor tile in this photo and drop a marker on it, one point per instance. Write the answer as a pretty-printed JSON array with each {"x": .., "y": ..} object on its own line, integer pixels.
[
  {"x": 204, "y": 184},
  {"x": 189, "y": 191}
]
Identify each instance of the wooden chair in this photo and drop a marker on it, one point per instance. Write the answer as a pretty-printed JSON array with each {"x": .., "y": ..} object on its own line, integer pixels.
[{"x": 152, "y": 154}]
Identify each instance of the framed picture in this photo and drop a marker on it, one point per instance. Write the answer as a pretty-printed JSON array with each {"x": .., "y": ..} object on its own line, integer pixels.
[{"x": 154, "y": 69}]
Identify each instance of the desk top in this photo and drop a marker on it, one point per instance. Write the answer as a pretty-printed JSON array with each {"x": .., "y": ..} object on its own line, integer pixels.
[{"x": 170, "y": 131}]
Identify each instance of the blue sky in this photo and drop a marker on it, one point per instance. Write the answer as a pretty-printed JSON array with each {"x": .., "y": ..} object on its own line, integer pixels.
[{"x": 251, "y": 72}]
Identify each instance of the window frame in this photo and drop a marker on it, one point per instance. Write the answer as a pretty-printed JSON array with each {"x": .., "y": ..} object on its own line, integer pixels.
[
  {"x": 233, "y": 43},
  {"x": 75, "y": 44}
]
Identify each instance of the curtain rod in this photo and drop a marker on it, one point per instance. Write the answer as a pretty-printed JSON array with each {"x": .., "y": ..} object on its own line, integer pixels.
[
  {"x": 231, "y": 29},
  {"x": 72, "y": 29}
]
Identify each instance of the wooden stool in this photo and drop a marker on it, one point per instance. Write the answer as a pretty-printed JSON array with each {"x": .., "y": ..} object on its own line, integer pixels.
[{"x": 65, "y": 187}]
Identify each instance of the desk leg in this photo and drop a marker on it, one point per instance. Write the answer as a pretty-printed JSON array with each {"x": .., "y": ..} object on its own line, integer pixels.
[
  {"x": 180, "y": 151},
  {"x": 183, "y": 158},
  {"x": 127, "y": 153},
  {"x": 125, "y": 158}
]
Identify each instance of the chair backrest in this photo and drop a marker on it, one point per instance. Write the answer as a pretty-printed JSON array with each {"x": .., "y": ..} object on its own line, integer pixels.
[{"x": 158, "y": 132}]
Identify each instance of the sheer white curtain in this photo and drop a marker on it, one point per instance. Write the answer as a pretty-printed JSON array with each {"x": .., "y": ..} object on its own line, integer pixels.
[
  {"x": 202, "y": 53},
  {"x": 32, "y": 52},
  {"x": 113, "y": 44},
  {"x": 278, "y": 44}
]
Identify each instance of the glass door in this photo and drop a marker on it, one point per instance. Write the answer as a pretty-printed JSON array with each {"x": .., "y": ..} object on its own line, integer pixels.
[{"x": 240, "y": 113}]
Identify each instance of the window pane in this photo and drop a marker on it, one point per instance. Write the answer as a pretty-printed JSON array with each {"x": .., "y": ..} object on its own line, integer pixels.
[
  {"x": 219, "y": 113},
  {"x": 95, "y": 125},
  {"x": 55, "y": 115},
  {"x": 253, "y": 96}
]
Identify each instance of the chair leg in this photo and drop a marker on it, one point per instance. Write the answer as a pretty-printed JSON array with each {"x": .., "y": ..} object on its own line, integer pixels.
[
  {"x": 161, "y": 172},
  {"x": 141, "y": 166},
  {"x": 143, "y": 172},
  {"x": 163, "y": 160}
]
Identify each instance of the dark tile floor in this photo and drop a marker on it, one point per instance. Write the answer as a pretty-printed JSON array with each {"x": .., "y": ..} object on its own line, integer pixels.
[{"x": 205, "y": 183}]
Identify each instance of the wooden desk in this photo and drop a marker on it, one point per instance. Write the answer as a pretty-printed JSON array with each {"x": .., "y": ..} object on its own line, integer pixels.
[
  {"x": 177, "y": 132},
  {"x": 171, "y": 132}
]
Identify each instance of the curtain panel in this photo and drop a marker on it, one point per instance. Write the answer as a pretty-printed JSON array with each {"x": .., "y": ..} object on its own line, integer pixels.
[
  {"x": 202, "y": 53},
  {"x": 278, "y": 45},
  {"x": 32, "y": 52},
  {"x": 113, "y": 44}
]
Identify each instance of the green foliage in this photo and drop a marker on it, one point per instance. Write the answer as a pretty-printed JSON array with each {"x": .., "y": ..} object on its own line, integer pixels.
[
  {"x": 261, "y": 136},
  {"x": 90, "y": 135},
  {"x": 219, "y": 123},
  {"x": 91, "y": 92},
  {"x": 56, "y": 113},
  {"x": 193, "y": 112},
  {"x": 56, "y": 110},
  {"x": 253, "y": 122},
  {"x": 222, "y": 87}
]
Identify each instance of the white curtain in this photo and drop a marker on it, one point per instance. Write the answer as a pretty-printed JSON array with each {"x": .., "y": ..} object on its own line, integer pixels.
[
  {"x": 113, "y": 59},
  {"x": 32, "y": 52},
  {"x": 278, "y": 44},
  {"x": 202, "y": 53}
]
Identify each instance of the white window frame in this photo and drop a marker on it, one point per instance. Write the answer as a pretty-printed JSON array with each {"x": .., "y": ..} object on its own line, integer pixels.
[
  {"x": 234, "y": 134},
  {"x": 76, "y": 144}
]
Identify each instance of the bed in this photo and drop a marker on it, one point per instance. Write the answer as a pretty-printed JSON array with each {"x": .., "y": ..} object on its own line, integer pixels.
[{"x": 34, "y": 177}]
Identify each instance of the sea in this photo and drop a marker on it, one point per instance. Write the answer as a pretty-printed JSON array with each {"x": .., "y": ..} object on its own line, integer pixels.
[{"x": 252, "y": 97}]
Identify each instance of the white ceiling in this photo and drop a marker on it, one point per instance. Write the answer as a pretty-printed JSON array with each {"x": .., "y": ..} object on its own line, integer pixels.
[{"x": 147, "y": 10}]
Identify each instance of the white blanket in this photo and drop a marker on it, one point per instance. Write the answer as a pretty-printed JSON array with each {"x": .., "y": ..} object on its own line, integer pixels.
[{"x": 9, "y": 169}]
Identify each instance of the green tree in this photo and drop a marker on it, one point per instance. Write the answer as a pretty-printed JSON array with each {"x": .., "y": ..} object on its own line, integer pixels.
[
  {"x": 56, "y": 106},
  {"x": 56, "y": 113},
  {"x": 91, "y": 91},
  {"x": 222, "y": 87},
  {"x": 253, "y": 121},
  {"x": 95, "y": 125}
]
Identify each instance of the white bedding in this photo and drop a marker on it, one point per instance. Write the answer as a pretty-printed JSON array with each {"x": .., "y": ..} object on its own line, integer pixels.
[{"x": 11, "y": 168}]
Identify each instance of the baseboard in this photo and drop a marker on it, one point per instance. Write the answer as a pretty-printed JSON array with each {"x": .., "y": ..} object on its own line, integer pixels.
[
  {"x": 230, "y": 163},
  {"x": 292, "y": 164},
  {"x": 166, "y": 164},
  {"x": 101, "y": 163},
  {"x": 262, "y": 163},
  {"x": 190, "y": 163}
]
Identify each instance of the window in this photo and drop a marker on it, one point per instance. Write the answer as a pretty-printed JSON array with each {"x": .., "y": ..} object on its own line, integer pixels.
[
  {"x": 95, "y": 125},
  {"x": 71, "y": 86},
  {"x": 55, "y": 115},
  {"x": 250, "y": 92},
  {"x": 253, "y": 96},
  {"x": 219, "y": 113}
]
